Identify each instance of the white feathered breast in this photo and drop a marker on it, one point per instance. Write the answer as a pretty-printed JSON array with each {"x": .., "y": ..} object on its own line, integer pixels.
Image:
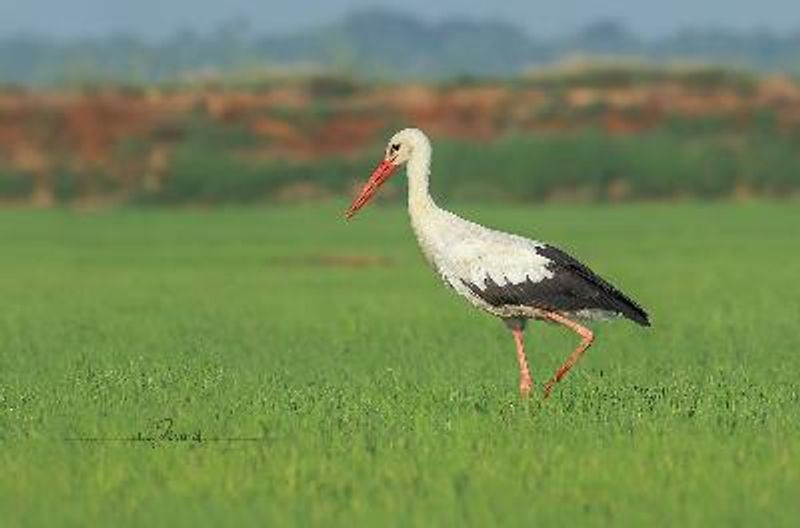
[{"x": 463, "y": 251}]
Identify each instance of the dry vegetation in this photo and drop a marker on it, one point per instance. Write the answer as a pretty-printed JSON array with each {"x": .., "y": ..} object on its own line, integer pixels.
[{"x": 266, "y": 140}]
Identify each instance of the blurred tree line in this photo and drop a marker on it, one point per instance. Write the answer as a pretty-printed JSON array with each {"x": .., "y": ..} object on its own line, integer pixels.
[{"x": 375, "y": 44}]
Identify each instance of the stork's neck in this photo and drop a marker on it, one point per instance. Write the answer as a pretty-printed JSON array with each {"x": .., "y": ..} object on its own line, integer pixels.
[
  {"x": 432, "y": 225},
  {"x": 420, "y": 202}
]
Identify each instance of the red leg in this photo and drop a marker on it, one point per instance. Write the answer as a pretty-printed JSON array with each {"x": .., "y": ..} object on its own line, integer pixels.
[
  {"x": 525, "y": 381},
  {"x": 587, "y": 337}
]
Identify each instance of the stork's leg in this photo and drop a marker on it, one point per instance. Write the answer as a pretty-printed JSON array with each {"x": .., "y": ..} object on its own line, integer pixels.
[
  {"x": 517, "y": 327},
  {"x": 587, "y": 337}
]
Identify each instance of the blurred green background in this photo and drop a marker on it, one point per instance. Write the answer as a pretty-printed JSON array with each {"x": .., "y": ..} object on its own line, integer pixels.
[{"x": 246, "y": 111}]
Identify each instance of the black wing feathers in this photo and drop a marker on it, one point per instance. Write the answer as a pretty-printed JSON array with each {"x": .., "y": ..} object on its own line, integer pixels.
[
  {"x": 601, "y": 289},
  {"x": 572, "y": 287}
]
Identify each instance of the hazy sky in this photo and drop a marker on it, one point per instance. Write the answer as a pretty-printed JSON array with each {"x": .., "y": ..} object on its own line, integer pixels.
[{"x": 156, "y": 18}]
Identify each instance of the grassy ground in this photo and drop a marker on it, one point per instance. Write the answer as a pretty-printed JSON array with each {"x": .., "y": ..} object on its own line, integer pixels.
[{"x": 355, "y": 388}]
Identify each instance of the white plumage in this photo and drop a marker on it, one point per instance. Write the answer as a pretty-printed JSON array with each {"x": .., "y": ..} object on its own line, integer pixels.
[{"x": 464, "y": 252}]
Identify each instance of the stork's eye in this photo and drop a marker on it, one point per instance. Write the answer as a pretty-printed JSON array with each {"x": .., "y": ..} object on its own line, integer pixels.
[{"x": 395, "y": 147}]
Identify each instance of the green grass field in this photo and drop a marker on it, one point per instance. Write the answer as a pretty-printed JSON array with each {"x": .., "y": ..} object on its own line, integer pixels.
[{"x": 352, "y": 387}]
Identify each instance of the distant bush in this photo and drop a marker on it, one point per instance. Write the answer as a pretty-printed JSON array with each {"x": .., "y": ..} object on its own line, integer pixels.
[
  {"x": 651, "y": 165},
  {"x": 15, "y": 185},
  {"x": 199, "y": 175},
  {"x": 332, "y": 86},
  {"x": 714, "y": 78},
  {"x": 586, "y": 165},
  {"x": 598, "y": 74}
]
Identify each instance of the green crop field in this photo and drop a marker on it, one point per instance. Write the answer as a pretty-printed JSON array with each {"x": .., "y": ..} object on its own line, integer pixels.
[{"x": 280, "y": 367}]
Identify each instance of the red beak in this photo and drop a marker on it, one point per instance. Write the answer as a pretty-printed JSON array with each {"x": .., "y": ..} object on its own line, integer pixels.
[{"x": 381, "y": 173}]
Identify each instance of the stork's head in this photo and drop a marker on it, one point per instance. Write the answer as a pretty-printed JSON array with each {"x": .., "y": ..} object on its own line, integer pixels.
[{"x": 398, "y": 151}]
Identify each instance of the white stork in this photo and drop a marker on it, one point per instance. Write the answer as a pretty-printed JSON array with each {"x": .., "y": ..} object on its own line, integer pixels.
[{"x": 506, "y": 275}]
